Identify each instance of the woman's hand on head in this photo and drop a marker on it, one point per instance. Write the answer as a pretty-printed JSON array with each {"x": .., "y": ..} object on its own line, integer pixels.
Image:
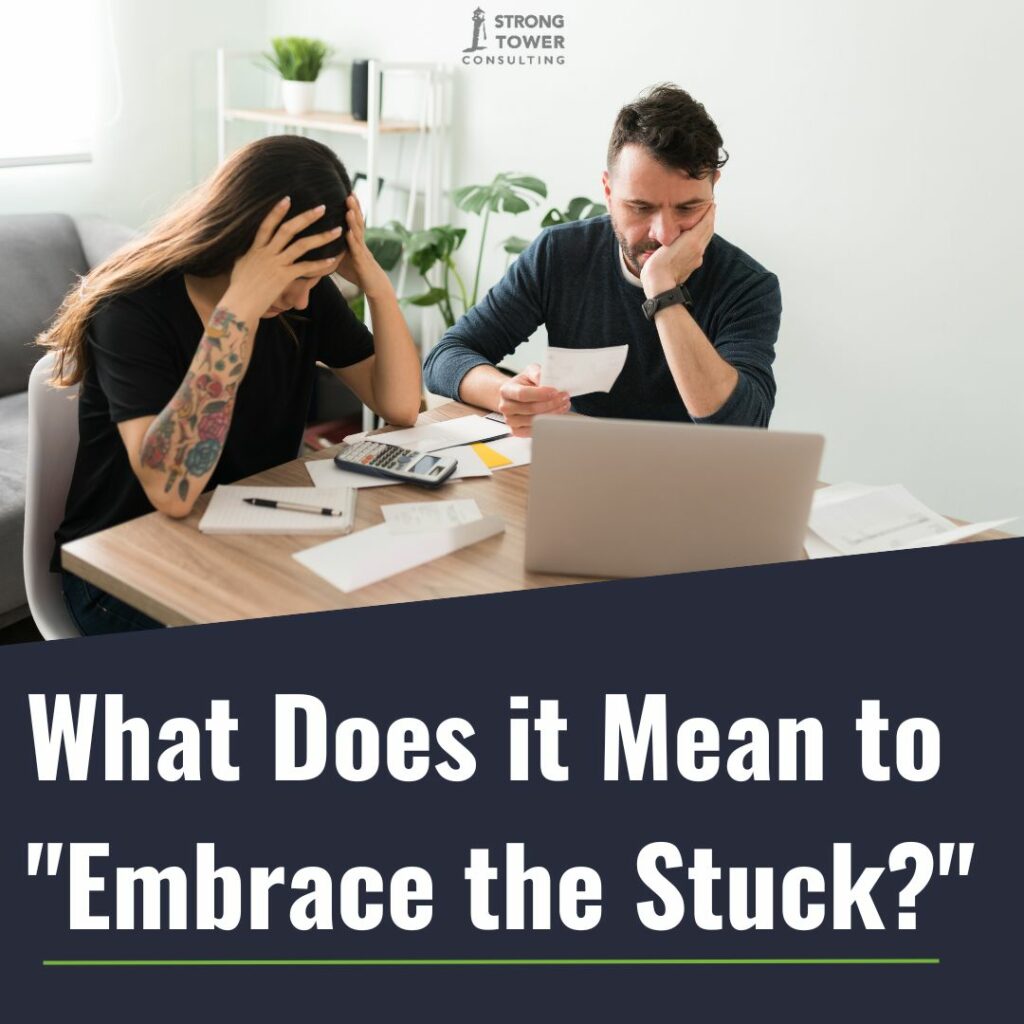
[
  {"x": 269, "y": 267},
  {"x": 357, "y": 263}
]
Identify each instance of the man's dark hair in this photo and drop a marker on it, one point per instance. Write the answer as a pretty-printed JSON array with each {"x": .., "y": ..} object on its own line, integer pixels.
[{"x": 673, "y": 127}]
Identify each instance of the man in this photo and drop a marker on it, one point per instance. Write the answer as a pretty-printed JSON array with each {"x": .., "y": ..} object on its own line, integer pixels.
[{"x": 700, "y": 317}]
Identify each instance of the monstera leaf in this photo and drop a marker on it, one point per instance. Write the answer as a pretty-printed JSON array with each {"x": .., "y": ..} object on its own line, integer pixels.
[
  {"x": 435, "y": 245},
  {"x": 579, "y": 208},
  {"x": 387, "y": 243},
  {"x": 432, "y": 250},
  {"x": 514, "y": 245},
  {"x": 431, "y": 297},
  {"x": 507, "y": 193}
]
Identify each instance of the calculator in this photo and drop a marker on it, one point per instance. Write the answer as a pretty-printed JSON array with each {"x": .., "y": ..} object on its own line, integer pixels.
[{"x": 389, "y": 460}]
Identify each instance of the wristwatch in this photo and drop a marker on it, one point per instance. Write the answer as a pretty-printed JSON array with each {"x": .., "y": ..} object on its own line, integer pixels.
[{"x": 674, "y": 296}]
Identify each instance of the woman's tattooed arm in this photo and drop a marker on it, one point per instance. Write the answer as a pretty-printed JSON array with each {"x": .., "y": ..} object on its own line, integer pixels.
[{"x": 183, "y": 444}]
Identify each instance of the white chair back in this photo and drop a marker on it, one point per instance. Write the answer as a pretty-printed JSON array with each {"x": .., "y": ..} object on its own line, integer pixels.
[{"x": 52, "y": 447}]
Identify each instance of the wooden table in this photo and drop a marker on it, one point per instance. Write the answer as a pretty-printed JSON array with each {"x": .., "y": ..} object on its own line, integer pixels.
[{"x": 179, "y": 576}]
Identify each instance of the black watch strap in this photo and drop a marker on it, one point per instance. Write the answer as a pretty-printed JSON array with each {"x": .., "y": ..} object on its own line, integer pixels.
[{"x": 673, "y": 297}]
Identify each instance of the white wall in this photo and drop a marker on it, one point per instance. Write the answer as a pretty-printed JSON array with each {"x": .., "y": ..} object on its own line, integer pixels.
[
  {"x": 877, "y": 154},
  {"x": 877, "y": 160},
  {"x": 163, "y": 140}
]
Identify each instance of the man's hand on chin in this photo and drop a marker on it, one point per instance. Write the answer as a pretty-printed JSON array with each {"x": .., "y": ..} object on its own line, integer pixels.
[{"x": 673, "y": 264}]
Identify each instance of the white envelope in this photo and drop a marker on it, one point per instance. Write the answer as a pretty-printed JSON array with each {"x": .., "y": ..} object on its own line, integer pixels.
[{"x": 375, "y": 554}]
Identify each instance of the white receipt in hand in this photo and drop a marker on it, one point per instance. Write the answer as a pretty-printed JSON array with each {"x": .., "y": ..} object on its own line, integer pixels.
[{"x": 581, "y": 371}]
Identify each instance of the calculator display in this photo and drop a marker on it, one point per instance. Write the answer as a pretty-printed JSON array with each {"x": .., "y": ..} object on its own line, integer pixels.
[{"x": 426, "y": 464}]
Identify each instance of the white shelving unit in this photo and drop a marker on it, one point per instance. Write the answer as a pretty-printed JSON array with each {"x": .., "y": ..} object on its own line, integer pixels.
[{"x": 429, "y": 128}]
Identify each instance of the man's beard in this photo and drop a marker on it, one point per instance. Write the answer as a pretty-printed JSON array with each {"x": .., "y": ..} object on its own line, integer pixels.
[{"x": 632, "y": 253}]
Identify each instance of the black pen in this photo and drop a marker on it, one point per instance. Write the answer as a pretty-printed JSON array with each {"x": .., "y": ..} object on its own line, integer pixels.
[
  {"x": 467, "y": 444},
  {"x": 294, "y": 506}
]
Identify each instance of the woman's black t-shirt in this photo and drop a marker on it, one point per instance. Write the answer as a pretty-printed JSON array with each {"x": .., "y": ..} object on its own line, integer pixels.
[{"x": 140, "y": 346}]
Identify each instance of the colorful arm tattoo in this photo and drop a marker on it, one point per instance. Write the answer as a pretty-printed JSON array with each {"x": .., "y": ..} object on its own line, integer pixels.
[{"x": 186, "y": 440}]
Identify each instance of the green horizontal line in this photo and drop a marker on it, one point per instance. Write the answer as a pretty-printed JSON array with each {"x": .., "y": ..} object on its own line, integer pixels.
[{"x": 527, "y": 962}]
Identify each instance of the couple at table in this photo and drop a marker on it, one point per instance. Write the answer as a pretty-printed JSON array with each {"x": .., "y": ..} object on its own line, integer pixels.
[{"x": 176, "y": 395}]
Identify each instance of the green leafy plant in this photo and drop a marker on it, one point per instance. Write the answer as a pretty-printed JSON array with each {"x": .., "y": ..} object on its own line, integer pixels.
[
  {"x": 579, "y": 208},
  {"x": 434, "y": 247},
  {"x": 507, "y": 193},
  {"x": 432, "y": 252},
  {"x": 513, "y": 245},
  {"x": 297, "y": 59}
]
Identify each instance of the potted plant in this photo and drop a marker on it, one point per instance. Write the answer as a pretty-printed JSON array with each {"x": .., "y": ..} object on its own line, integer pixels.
[
  {"x": 298, "y": 61},
  {"x": 435, "y": 247},
  {"x": 433, "y": 251}
]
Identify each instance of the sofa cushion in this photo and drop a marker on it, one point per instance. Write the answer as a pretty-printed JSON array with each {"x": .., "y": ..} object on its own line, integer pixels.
[
  {"x": 40, "y": 258},
  {"x": 13, "y": 460},
  {"x": 101, "y": 237}
]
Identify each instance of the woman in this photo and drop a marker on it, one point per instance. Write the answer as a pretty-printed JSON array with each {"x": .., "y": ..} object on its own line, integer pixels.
[{"x": 196, "y": 346}]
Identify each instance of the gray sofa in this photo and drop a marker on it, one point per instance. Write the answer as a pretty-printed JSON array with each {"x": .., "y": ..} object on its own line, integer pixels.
[{"x": 41, "y": 254}]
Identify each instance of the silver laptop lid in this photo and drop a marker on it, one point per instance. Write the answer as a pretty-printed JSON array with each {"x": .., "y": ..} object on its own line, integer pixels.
[{"x": 642, "y": 498}]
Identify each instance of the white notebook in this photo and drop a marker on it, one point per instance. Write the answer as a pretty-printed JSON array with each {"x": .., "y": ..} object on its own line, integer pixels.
[{"x": 228, "y": 513}]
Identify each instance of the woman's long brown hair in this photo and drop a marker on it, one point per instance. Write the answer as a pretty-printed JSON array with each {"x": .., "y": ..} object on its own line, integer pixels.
[{"x": 206, "y": 232}]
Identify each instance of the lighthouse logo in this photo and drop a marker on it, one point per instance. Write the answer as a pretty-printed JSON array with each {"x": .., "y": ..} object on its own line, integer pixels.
[
  {"x": 479, "y": 32},
  {"x": 519, "y": 40}
]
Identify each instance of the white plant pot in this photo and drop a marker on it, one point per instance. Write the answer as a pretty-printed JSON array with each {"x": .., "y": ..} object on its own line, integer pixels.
[{"x": 298, "y": 96}]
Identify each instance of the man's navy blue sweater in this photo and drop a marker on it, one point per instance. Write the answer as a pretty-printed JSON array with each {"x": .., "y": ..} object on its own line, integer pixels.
[{"x": 571, "y": 279}]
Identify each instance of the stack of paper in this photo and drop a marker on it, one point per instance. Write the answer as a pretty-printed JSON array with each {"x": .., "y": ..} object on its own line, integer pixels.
[
  {"x": 475, "y": 459},
  {"x": 412, "y": 534},
  {"x": 853, "y": 519},
  {"x": 325, "y": 473},
  {"x": 461, "y": 439},
  {"x": 432, "y": 437}
]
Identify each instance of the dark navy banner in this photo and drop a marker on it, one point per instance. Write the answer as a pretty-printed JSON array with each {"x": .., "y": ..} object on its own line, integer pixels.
[{"x": 788, "y": 791}]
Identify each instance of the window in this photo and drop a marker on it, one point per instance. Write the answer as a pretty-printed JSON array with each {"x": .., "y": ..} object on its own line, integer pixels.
[{"x": 48, "y": 80}]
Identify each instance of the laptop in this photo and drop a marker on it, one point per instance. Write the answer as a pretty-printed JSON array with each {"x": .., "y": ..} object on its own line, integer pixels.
[{"x": 642, "y": 498}]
